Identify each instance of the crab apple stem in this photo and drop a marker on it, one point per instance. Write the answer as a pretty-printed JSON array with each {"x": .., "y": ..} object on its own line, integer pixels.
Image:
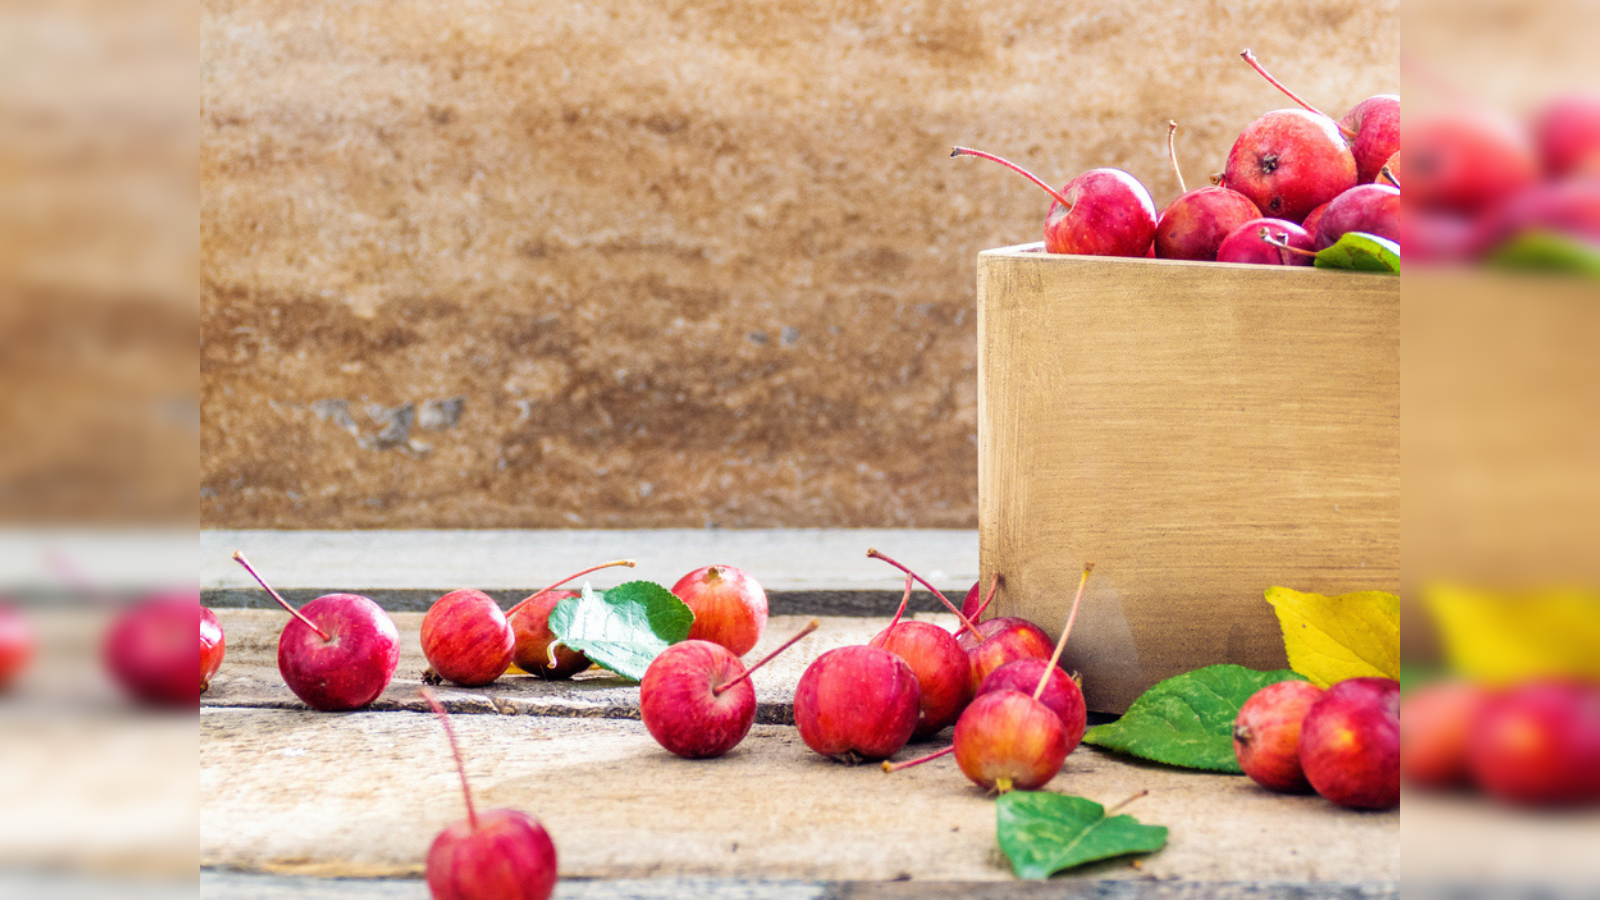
[
  {"x": 71, "y": 574},
  {"x": 542, "y": 591},
  {"x": 1172, "y": 154},
  {"x": 1062, "y": 643},
  {"x": 994, "y": 584},
  {"x": 965, "y": 622},
  {"x": 1281, "y": 241},
  {"x": 895, "y": 767},
  {"x": 1143, "y": 793},
  {"x": 964, "y": 151},
  {"x": 810, "y": 627},
  {"x": 1250, "y": 58},
  {"x": 1387, "y": 174},
  {"x": 449, "y": 732},
  {"x": 239, "y": 558},
  {"x": 903, "y": 601}
]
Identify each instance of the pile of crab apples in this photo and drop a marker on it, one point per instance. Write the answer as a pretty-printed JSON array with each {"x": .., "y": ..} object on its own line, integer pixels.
[{"x": 1295, "y": 181}]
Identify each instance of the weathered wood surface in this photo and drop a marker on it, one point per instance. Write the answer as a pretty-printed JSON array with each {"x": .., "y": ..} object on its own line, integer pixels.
[{"x": 1200, "y": 432}]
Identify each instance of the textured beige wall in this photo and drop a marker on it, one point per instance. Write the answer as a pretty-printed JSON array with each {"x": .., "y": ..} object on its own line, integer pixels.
[{"x": 684, "y": 263}]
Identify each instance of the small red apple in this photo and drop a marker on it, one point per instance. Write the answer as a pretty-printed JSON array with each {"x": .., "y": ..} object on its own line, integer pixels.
[
  {"x": 730, "y": 608},
  {"x": 213, "y": 644},
  {"x": 1350, "y": 743},
  {"x": 149, "y": 649},
  {"x": 1257, "y": 242},
  {"x": 1464, "y": 160},
  {"x": 1266, "y": 735},
  {"x": 1375, "y": 122},
  {"x": 1007, "y": 740},
  {"x": 1539, "y": 744},
  {"x": 1001, "y": 640},
  {"x": 1435, "y": 722},
  {"x": 16, "y": 644},
  {"x": 1369, "y": 208},
  {"x": 531, "y": 627},
  {"x": 1567, "y": 131},
  {"x": 467, "y": 639},
  {"x": 1060, "y": 693},
  {"x": 1288, "y": 162},
  {"x": 944, "y": 676},
  {"x": 1103, "y": 212},
  {"x": 857, "y": 703}
]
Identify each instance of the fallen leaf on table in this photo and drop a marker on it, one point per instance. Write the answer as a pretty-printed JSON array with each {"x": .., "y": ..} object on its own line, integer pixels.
[
  {"x": 1504, "y": 637},
  {"x": 1330, "y": 639},
  {"x": 623, "y": 629},
  {"x": 1044, "y": 833}
]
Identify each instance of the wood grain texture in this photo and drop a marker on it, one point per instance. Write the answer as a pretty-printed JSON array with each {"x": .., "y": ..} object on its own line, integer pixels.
[{"x": 1200, "y": 432}]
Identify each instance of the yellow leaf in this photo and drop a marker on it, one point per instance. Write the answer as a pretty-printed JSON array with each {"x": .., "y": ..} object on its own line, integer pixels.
[
  {"x": 1501, "y": 637},
  {"x": 1330, "y": 639}
]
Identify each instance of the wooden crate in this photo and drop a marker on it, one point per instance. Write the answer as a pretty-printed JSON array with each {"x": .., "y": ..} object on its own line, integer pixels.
[{"x": 1200, "y": 432}]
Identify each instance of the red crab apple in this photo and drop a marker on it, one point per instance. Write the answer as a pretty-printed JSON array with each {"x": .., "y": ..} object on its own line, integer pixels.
[
  {"x": 1464, "y": 160},
  {"x": 213, "y": 644},
  {"x": 1370, "y": 208},
  {"x": 1434, "y": 237},
  {"x": 1567, "y": 131},
  {"x": 467, "y": 639},
  {"x": 503, "y": 854},
  {"x": 1001, "y": 640},
  {"x": 1539, "y": 744},
  {"x": 857, "y": 703},
  {"x": 1313, "y": 221},
  {"x": 973, "y": 607},
  {"x": 1289, "y": 162},
  {"x": 338, "y": 652},
  {"x": 150, "y": 649},
  {"x": 1194, "y": 225},
  {"x": 1103, "y": 212},
  {"x": 944, "y": 677},
  {"x": 730, "y": 608},
  {"x": 1571, "y": 208},
  {"x": 696, "y": 698},
  {"x": 1257, "y": 241},
  {"x": 16, "y": 644},
  {"x": 1350, "y": 743},
  {"x": 537, "y": 650},
  {"x": 1266, "y": 735},
  {"x": 1435, "y": 721},
  {"x": 1372, "y": 127},
  {"x": 1060, "y": 693}
]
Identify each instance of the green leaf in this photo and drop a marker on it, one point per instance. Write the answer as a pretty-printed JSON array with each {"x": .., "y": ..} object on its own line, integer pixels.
[
  {"x": 1548, "y": 251},
  {"x": 1361, "y": 252},
  {"x": 1044, "y": 833},
  {"x": 625, "y": 628},
  {"x": 1329, "y": 639},
  {"x": 1187, "y": 720}
]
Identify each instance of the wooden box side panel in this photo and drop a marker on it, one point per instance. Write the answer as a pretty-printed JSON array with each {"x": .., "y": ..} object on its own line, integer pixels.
[{"x": 1200, "y": 432}]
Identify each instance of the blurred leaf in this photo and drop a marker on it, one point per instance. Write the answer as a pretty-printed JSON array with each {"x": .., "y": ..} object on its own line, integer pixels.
[
  {"x": 1548, "y": 251},
  {"x": 1187, "y": 720},
  {"x": 1503, "y": 637},
  {"x": 1044, "y": 833},
  {"x": 624, "y": 628},
  {"x": 1330, "y": 639},
  {"x": 1361, "y": 252}
]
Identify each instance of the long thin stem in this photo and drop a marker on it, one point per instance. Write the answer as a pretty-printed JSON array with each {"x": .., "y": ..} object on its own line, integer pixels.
[
  {"x": 994, "y": 584},
  {"x": 1143, "y": 793},
  {"x": 895, "y": 767},
  {"x": 542, "y": 591},
  {"x": 810, "y": 627},
  {"x": 239, "y": 558},
  {"x": 903, "y": 601},
  {"x": 1061, "y": 644},
  {"x": 1172, "y": 154},
  {"x": 449, "y": 732},
  {"x": 964, "y": 151},
  {"x": 1281, "y": 241},
  {"x": 1250, "y": 58},
  {"x": 965, "y": 622},
  {"x": 1387, "y": 174}
]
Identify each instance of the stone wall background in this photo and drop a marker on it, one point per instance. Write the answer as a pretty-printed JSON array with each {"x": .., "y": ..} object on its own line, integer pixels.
[{"x": 682, "y": 263}]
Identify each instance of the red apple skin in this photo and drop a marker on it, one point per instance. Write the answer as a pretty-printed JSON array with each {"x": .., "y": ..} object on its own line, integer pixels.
[
  {"x": 1061, "y": 694},
  {"x": 1538, "y": 744},
  {"x": 1194, "y": 225},
  {"x": 466, "y": 638},
  {"x": 530, "y": 629},
  {"x": 679, "y": 707},
  {"x": 1465, "y": 160},
  {"x": 1245, "y": 245},
  {"x": 1314, "y": 221},
  {"x": 17, "y": 644},
  {"x": 730, "y": 608},
  {"x": 1567, "y": 131},
  {"x": 149, "y": 650},
  {"x": 1435, "y": 723},
  {"x": 1350, "y": 743},
  {"x": 213, "y": 645},
  {"x": 352, "y": 669},
  {"x": 1371, "y": 208},
  {"x": 1005, "y": 639},
  {"x": 1434, "y": 238},
  {"x": 944, "y": 676},
  {"x": 1289, "y": 162},
  {"x": 1006, "y": 740},
  {"x": 509, "y": 857},
  {"x": 1111, "y": 215},
  {"x": 1571, "y": 208},
  {"x": 857, "y": 703},
  {"x": 1266, "y": 735},
  {"x": 1376, "y": 123},
  {"x": 974, "y": 601}
]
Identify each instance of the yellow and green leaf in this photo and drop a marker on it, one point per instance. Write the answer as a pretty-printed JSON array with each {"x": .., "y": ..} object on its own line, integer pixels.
[{"x": 1330, "y": 639}]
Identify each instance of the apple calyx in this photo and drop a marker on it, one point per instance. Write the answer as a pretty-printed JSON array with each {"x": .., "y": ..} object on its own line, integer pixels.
[
  {"x": 965, "y": 622},
  {"x": 239, "y": 558},
  {"x": 895, "y": 767},
  {"x": 1281, "y": 241},
  {"x": 1061, "y": 644},
  {"x": 964, "y": 151},
  {"x": 810, "y": 627},
  {"x": 1261, "y": 70},
  {"x": 576, "y": 575},
  {"x": 450, "y": 732},
  {"x": 1172, "y": 154}
]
